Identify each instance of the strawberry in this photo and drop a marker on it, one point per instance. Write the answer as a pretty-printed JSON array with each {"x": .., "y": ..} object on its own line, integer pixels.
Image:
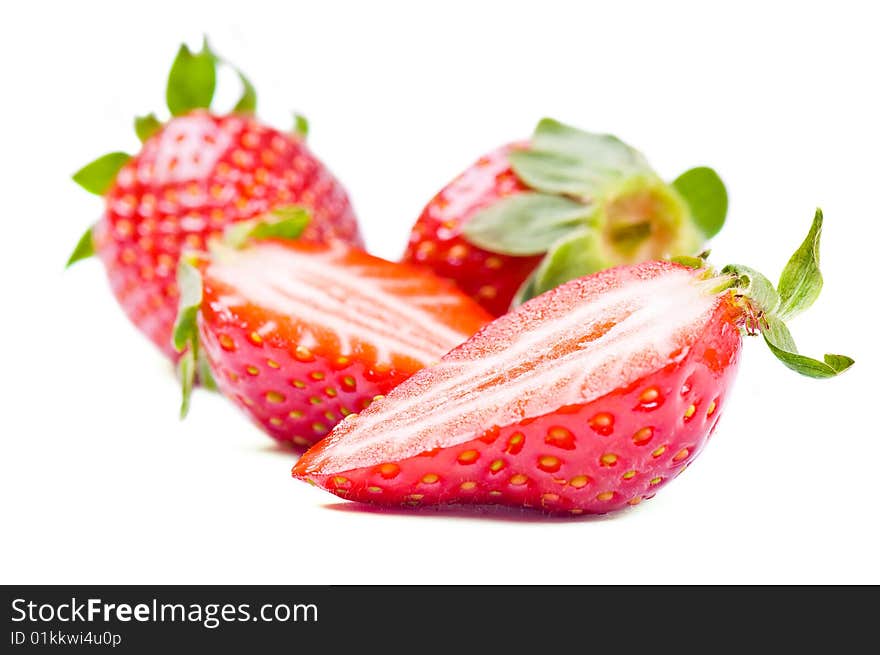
[
  {"x": 301, "y": 334},
  {"x": 193, "y": 176},
  {"x": 530, "y": 216},
  {"x": 587, "y": 399}
]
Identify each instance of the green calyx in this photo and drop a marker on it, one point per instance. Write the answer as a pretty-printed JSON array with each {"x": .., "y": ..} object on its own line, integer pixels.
[
  {"x": 284, "y": 222},
  {"x": 766, "y": 307},
  {"x": 191, "y": 84},
  {"x": 594, "y": 202},
  {"x": 193, "y": 78}
]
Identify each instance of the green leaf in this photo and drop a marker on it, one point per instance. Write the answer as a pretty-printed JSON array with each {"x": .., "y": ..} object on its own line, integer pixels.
[
  {"x": 97, "y": 177},
  {"x": 754, "y": 285},
  {"x": 189, "y": 281},
  {"x": 186, "y": 370},
  {"x": 206, "y": 375},
  {"x": 85, "y": 248},
  {"x": 691, "y": 262},
  {"x": 146, "y": 126},
  {"x": 300, "y": 125},
  {"x": 574, "y": 255},
  {"x": 706, "y": 197},
  {"x": 192, "y": 80},
  {"x": 563, "y": 159},
  {"x": 781, "y": 344},
  {"x": 801, "y": 280},
  {"x": 247, "y": 103},
  {"x": 525, "y": 223},
  {"x": 285, "y": 222}
]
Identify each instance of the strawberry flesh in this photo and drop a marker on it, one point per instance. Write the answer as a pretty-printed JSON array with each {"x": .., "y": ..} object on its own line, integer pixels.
[
  {"x": 584, "y": 400},
  {"x": 302, "y": 334}
]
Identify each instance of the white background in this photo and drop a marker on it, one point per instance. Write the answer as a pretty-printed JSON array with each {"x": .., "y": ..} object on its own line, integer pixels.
[{"x": 99, "y": 481}]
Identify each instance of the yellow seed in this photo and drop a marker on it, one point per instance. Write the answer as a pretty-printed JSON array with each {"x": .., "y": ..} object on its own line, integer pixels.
[
  {"x": 605, "y": 495},
  {"x": 493, "y": 263},
  {"x": 468, "y": 457},
  {"x": 711, "y": 409},
  {"x": 315, "y": 400},
  {"x": 518, "y": 479},
  {"x": 271, "y": 363},
  {"x": 303, "y": 354},
  {"x": 430, "y": 478},
  {"x": 255, "y": 338},
  {"x": 549, "y": 498},
  {"x": 319, "y": 428},
  {"x": 296, "y": 413},
  {"x": 643, "y": 436},
  {"x": 301, "y": 441},
  {"x": 635, "y": 500},
  {"x": 468, "y": 485},
  {"x": 274, "y": 397},
  {"x": 348, "y": 382},
  {"x": 494, "y": 492},
  {"x": 389, "y": 470},
  {"x": 316, "y": 375},
  {"x": 608, "y": 459},
  {"x": 329, "y": 415},
  {"x": 299, "y": 384},
  {"x": 659, "y": 451},
  {"x": 374, "y": 490},
  {"x": 690, "y": 411},
  {"x": 681, "y": 454},
  {"x": 656, "y": 480},
  {"x": 649, "y": 395},
  {"x": 330, "y": 392},
  {"x": 579, "y": 481},
  {"x": 629, "y": 475},
  {"x": 340, "y": 481},
  {"x": 276, "y": 421},
  {"x": 416, "y": 496},
  {"x": 487, "y": 291},
  {"x": 496, "y": 466},
  {"x": 576, "y": 511},
  {"x": 253, "y": 370},
  {"x": 549, "y": 463}
]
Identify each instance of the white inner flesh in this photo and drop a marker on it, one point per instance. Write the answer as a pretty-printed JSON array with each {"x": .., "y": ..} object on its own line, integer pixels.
[
  {"x": 349, "y": 302},
  {"x": 445, "y": 405}
]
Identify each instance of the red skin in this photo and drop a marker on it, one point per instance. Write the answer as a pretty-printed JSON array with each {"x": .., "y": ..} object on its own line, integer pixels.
[
  {"x": 436, "y": 240},
  {"x": 297, "y": 394},
  {"x": 197, "y": 175},
  {"x": 572, "y": 460}
]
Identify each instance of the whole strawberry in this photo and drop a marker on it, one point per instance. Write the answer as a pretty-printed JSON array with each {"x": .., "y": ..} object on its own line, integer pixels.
[
  {"x": 530, "y": 216},
  {"x": 587, "y": 399},
  {"x": 194, "y": 175},
  {"x": 301, "y": 334}
]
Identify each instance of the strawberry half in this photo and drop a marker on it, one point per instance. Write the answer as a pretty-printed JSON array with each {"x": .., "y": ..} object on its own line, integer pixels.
[
  {"x": 589, "y": 398},
  {"x": 301, "y": 334},
  {"x": 195, "y": 175},
  {"x": 531, "y": 216}
]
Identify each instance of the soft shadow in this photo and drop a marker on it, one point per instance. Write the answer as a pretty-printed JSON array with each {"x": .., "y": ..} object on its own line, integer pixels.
[
  {"x": 477, "y": 513},
  {"x": 280, "y": 448}
]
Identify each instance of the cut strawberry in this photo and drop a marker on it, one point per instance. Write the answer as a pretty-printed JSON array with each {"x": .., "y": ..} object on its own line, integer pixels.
[
  {"x": 300, "y": 334},
  {"x": 530, "y": 216},
  {"x": 588, "y": 398}
]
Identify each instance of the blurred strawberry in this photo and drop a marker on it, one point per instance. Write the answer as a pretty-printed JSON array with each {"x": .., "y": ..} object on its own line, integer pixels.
[
  {"x": 194, "y": 175},
  {"x": 530, "y": 216}
]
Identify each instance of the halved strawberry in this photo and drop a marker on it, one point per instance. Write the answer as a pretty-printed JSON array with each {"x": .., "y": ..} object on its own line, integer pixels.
[
  {"x": 530, "y": 216},
  {"x": 194, "y": 175},
  {"x": 301, "y": 334},
  {"x": 588, "y": 398}
]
